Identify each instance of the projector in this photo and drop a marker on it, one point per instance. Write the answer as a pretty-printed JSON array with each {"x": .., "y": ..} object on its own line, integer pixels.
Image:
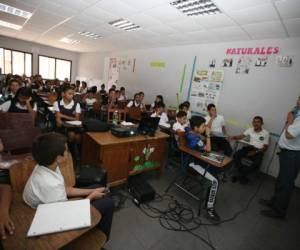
[{"x": 124, "y": 131}]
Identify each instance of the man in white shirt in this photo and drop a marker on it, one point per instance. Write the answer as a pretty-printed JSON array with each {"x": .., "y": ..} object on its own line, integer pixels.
[
  {"x": 159, "y": 112},
  {"x": 216, "y": 123},
  {"x": 289, "y": 160},
  {"x": 46, "y": 183},
  {"x": 258, "y": 140}
]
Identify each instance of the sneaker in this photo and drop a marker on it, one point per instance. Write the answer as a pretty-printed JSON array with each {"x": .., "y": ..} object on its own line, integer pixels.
[
  {"x": 272, "y": 213},
  {"x": 212, "y": 215},
  {"x": 267, "y": 203}
]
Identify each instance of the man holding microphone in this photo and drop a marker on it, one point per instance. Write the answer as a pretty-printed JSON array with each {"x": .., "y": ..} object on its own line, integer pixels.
[{"x": 289, "y": 160}]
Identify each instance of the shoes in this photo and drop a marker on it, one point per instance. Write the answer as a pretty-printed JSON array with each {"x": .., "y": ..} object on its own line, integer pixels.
[
  {"x": 272, "y": 213},
  {"x": 212, "y": 215},
  {"x": 267, "y": 203}
]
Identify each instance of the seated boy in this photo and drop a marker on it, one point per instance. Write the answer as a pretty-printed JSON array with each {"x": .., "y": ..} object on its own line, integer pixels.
[
  {"x": 194, "y": 141},
  {"x": 181, "y": 122},
  {"x": 185, "y": 106},
  {"x": 46, "y": 183},
  {"x": 159, "y": 112},
  {"x": 216, "y": 123},
  {"x": 258, "y": 139}
]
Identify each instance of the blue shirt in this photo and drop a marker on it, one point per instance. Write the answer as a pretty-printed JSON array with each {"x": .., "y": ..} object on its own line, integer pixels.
[{"x": 193, "y": 140}]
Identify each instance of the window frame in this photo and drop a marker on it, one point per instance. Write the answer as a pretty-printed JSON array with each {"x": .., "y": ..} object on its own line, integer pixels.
[
  {"x": 11, "y": 64},
  {"x": 55, "y": 58}
]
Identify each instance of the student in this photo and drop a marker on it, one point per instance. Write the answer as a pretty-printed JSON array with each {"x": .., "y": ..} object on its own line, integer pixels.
[
  {"x": 77, "y": 86},
  {"x": 21, "y": 103},
  {"x": 216, "y": 123},
  {"x": 6, "y": 224},
  {"x": 102, "y": 90},
  {"x": 181, "y": 122},
  {"x": 136, "y": 102},
  {"x": 185, "y": 107},
  {"x": 258, "y": 143},
  {"x": 83, "y": 88},
  {"x": 12, "y": 89},
  {"x": 194, "y": 141},
  {"x": 89, "y": 99},
  {"x": 46, "y": 183},
  {"x": 142, "y": 97},
  {"x": 159, "y": 112},
  {"x": 123, "y": 96},
  {"x": 158, "y": 99},
  {"x": 112, "y": 99}
]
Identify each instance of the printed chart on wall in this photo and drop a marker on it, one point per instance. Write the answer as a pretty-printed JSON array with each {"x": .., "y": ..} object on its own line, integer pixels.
[
  {"x": 206, "y": 88},
  {"x": 113, "y": 71}
]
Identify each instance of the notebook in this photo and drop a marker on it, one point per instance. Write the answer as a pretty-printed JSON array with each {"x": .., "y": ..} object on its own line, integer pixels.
[{"x": 60, "y": 216}]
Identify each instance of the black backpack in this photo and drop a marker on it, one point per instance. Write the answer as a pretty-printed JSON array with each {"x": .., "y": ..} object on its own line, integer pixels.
[{"x": 94, "y": 125}]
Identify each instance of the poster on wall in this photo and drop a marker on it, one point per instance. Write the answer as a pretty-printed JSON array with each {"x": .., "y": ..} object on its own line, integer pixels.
[
  {"x": 284, "y": 61},
  {"x": 243, "y": 65},
  {"x": 261, "y": 61},
  {"x": 113, "y": 71},
  {"x": 205, "y": 89},
  {"x": 227, "y": 62}
]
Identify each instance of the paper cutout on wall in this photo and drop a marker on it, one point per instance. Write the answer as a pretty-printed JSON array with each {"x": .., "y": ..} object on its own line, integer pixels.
[
  {"x": 243, "y": 66},
  {"x": 157, "y": 64},
  {"x": 212, "y": 63},
  {"x": 261, "y": 61},
  {"x": 227, "y": 62},
  {"x": 113, "y": 71},
  {"x": 284, "y": 61}
]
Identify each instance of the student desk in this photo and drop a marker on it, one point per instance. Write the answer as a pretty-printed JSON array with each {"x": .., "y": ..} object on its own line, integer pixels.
[
  {"x": 23, "y": 215},
  {"x": 122, "y": 157}
]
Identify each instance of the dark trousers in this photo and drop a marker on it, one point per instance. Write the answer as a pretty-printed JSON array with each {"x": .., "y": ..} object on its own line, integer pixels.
[
  {"x": 106, "y": 207},
  {"x": 221, "y": 144},
  {"x": 289, "y": 168},
  {"x": 256, "y": 159}
]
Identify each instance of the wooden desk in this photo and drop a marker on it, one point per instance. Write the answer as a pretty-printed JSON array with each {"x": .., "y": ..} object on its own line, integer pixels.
[
  {"x": 23, "y": 216},
  {"x": 122, "y": 157}
]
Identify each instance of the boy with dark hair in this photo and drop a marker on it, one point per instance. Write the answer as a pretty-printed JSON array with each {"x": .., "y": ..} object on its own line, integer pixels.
[
  {"x": 258, "y": 140},
  {"x": 194, "y": 141},
  {"x": 181, "y": 122},
  {"x": 185, "y": 106},
  {"x": 216, "y": 123},
  {"x": 123, "y": 96},
  {"x": 159, "y": 111},
  {"x": 46, "y": 183}
]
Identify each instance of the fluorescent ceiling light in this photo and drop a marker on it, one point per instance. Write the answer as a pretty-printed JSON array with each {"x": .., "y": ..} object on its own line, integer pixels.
[
  {"x": 196, "y": 7},
  {"x": 15, "y": 11},
  {"x": 124, "y": 25},
  {"x": 89, "y": 34},
  {"x": 69, "y": 41},
  {"x": 10, "y": 25}
]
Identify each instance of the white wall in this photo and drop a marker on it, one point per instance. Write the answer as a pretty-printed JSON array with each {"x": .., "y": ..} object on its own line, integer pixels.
[
  {"x": 38, "y": 49},
  {"x": 270, "y": 92}
]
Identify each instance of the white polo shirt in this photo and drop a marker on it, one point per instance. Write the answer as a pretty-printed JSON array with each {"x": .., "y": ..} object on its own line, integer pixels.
[
  {"x": 4, "y": 107},
  {"x": 90, "y": 101},
  {"x": 294, "y": 130},
  {"x": 217, "y": 123},
  {"x": 258, "y": 139},
  {"x": 44, "y": 186},
  {"x": 163, "y": 121},
  {"x": 66, "y": 106},
  {"x": 179, "y": 127}
]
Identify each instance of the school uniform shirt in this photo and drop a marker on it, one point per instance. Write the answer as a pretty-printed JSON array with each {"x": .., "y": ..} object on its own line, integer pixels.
[
  {"x": 164, "y": 120},
  {"x": 4, "y": 107},
  {"x": 294, "y": 130},
  {"x": 66, "y": 106},
  {"x": 193, "y": 140},
  {"x": 178, "y": 126},
  {"x": 44, "y": 186},
  {"x": 90, "y": 101},
  {"x": 217, "y": 123},
  {"x": 258, "y": 139},
  {"x": 188, "y": 114},
  {"x": 135, "y": 104},
  {"x": 122, "y": 98}
]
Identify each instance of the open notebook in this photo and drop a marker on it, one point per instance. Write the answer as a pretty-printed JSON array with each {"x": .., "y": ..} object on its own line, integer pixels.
[{"x": 60, "y": 216}]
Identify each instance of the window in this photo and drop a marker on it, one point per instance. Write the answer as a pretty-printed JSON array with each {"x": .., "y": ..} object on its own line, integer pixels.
[
  {"x": 15, "y": 62},
  {"x": 51, "y": 68}
]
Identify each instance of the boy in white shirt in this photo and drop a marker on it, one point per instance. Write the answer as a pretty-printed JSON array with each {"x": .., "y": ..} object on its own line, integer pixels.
[
  {"x": 258, "y": 139},
  {"x": 216, "y": 123},
  {"x": 46, "y": 183},
  {"x": 159, "y": 112},
  {"x": 181, "y": 122}
]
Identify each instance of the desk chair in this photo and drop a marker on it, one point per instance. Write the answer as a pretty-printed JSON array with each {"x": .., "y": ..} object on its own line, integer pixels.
[
  {"x": 134, "y": 113},
  {"x": 121, "y": 114},
  {"x": 16, "y": 120},
  {"x": 22, "y": 215}
]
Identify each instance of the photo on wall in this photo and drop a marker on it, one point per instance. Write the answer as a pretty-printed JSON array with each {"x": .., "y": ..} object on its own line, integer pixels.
[
  {"x": 284, "y": 61},
  {"x": 261, "y": 61},
  {"x": 243, "y": 65},
  {"x": 227, "y": 62}
]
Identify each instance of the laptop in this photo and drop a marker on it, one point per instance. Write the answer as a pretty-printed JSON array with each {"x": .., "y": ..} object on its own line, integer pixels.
[
  {"x": 60, "y": 216},
  {"x": 148, "y": 125}
]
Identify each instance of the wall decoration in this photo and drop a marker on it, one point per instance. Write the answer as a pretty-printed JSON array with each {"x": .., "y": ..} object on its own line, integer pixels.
[
  {"x": 212, "y": 63},
  {"x": 113, "y": 71},
  {"x": 253, "y": 51},
  {"x": 206, "y": 87},
  {"x": 157, "y": 64},
  {"x": 261, "y": 61},
  {"x": 178, "y": 95},
  {"x": 227, "y": 62},
  {"x": 142, "y": 162},
  {"x": 243, "y": 66},
  {"x": 284, "y": 61}
]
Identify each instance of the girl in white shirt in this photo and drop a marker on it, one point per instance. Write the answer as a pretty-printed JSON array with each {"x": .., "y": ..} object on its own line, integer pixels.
[{"x": 159, "y": 112}]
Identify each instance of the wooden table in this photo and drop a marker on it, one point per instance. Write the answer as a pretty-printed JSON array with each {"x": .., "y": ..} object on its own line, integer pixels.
[
  {"x": 122, "y": 157},
  {"x": 23, "y": 216}
]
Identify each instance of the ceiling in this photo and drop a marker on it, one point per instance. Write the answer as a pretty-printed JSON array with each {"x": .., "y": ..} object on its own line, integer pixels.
[{"x": 161, "y": 24}]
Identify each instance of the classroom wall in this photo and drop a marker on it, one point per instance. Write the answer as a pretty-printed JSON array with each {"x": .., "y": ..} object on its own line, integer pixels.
[
  {"x": 270, "y": 92},
  {"x": 38, "y": 49}
]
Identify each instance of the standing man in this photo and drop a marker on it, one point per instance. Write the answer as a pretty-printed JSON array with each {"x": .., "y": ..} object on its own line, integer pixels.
[{"x": 289, "y": 160}]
